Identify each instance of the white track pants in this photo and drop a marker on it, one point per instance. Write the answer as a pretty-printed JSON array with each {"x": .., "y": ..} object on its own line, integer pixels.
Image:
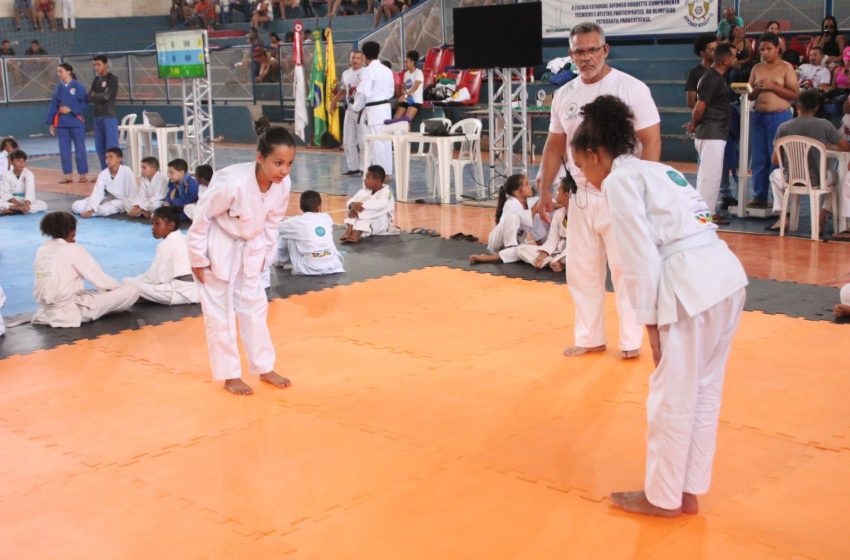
[
  {"x": 250, "y": 306},
  {"x": 710, "y": 170},
  {"x": 684, "y": 401},
  {"x": 590, "y": 245},
  {"x": 351, "y": 141},
  {"x": 778, "y": 189}
]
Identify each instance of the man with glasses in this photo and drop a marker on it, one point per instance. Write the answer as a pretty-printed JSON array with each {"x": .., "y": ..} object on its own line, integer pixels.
[{"x": 590, "y": 240}]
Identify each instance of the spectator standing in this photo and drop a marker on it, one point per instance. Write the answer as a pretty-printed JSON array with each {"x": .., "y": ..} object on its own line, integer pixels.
[
  {"x": 66, "y": 117},
  {"x": 774, "y": 87},
  {"x": 23, "y": 9},
  {"x": 69, "y": 15},
  {"x": 351, "y": 140},
  {"x": 730, "y": 18},
  {"x": 44, "y": 10},
  {"x": 830, "y": 40},
  {"x": 102, "y": 94},
  {"x": 704, "y": 48},
  {"x": 590, "y": 238}
]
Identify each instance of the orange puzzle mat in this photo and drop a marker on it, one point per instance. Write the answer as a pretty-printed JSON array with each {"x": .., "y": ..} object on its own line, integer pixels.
[{"x": 432, "y": 416}]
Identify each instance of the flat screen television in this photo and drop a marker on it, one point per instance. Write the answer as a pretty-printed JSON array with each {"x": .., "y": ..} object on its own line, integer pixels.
[{"x": 502, "y": 36}]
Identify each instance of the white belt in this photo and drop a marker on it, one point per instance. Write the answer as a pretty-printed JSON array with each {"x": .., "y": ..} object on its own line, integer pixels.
[{"x": 701, "y": 239}]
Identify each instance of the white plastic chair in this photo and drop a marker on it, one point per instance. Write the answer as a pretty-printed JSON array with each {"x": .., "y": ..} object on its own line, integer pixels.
[
  {"x": 793, "y": 155},
  {"x": 128, "y": 120},
  {"x": 426, "y": 151},
  {"x": 469, "y": 154}
]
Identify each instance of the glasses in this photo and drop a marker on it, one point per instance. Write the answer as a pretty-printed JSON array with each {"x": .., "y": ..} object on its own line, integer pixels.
[{"x": 592, "y": 51}]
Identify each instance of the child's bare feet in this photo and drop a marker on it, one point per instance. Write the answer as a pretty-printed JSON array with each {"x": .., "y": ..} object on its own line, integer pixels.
[
  {"x": 574, "y": 351},
  {"x": 238, "y": 387},
  {"x": 636, "y": 502},
  {"x": 841, "y": 310},
  {"x": 275, "y": 379},
  {"x": 690, "y": 504},
  {"x": 630, "y": 354}
]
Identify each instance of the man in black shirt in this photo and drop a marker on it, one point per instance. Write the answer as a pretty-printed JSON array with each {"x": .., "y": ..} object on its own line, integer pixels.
[
  {"x": 102, "y": 94},
  {"x": 710, "y": 122},
  {"x": 35, "y": 49},
  {"x": 704, "y": 48},
  {"x": 6, "y": 49}
]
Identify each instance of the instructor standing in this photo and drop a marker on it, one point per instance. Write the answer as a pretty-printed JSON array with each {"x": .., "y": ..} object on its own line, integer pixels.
[{"x": 102, "y": 94}]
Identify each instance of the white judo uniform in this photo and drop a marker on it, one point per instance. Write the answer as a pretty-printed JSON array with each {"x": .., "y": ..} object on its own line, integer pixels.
[
  {"x": 515, "y": 223},
  {"x": 150, "y": 192},
  {"x": 352, "y": 143},
  {"x": 844, "y": 294},
  {"x": 680, "y": 276},
  {"x": 555, "y": 245},
  {"x": 169, "y": 280},
  {"x": 307, "y": 242},
  {"x": 234, "y": 233},
  {"x": 591, "y": 243},
  {"x": 60, "y": 268},
  {"x": 20, "y": 188},
  {"x": 2, "y": 303},
  {"x": 372, "y": 100},
  {"x": 190, "y": 209},
  {"x": 110, "y": 195},
  {"x": 377, "y": 214}
]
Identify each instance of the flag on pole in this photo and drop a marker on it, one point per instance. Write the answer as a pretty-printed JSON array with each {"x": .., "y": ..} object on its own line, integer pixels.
[
  {"x": 317, "y": 92},
  {"x": 298, "y": 83},
  {"x": 330, "y": 88}
]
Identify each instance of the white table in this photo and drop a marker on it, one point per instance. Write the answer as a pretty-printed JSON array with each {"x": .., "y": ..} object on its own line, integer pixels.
[
  {"x": 135, "y": 134},
  {"x": 843, "y": 159},
  {"x": 444, "y": 146}
]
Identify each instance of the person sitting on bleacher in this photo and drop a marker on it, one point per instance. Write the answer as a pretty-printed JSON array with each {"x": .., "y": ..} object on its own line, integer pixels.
[{"x": 813, "y": 74}]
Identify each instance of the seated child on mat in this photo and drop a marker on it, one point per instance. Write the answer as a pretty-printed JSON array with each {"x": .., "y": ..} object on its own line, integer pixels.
[
  {"x": 112, "y": 191},
  {"x": 182, "y": 187},
  {"x": 169, "y": 279},
  {"x": 17, "y": 188},
  {"x": 307, "y": 240},
  {"x": 203, "y": 174},
  {"x": 514, "y": 221},
  {"x": 60, "y": 267},
  {"x": 153, "y": 186},
  {"x": 371, "y": 209},
  {"x": 553, "y": 252}
]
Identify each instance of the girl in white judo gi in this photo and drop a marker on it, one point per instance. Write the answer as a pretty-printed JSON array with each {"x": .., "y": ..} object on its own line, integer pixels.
[
  {"x": 514, "y": 221},
  {"x": 153, "y": 186},
  {"x": 232, "y": 238},
  {"x": 113, "y": 191},
  {"x": 307, "y": 241},
  {"x": 17, "y": 188},
  {"x": 371, "y": 209},
  {"x": 685, "y": 285},
  {"x": 2, "y": 303},
  {"x": 169, "y": 279},
  {"x": 60, "y": 267}
]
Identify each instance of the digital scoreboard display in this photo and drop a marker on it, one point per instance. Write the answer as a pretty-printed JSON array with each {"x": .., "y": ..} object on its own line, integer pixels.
[{"x": 181, "y": 54}]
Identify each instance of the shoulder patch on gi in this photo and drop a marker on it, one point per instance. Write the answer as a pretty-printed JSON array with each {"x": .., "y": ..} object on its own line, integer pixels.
[{"x": 677, "y": 178}]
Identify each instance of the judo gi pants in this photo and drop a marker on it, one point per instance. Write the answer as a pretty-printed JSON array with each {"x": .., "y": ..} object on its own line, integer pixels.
[
  {"x": 381, "y": 152},
  {"x": 710, "y": 170},
  {"x": 351, "y": 142},
  {"x": 590, "y": 245},
  {"x": 66, "y": 136},
  {"x": 96, "y": 305},
  {"x": 374, "y": 226},
  {"x": 762, "y": 133},
  {"x": 683, "y": 404},
  {"x": 176, "y": 292},
  {"x": 250, "y": 306},
  {"x": 503, "y": 238},
  {"x": 845, "y": 294},
  {"x": 528, "y": 253},
  {"x": 106, "y": 208},
  {"x": 105, "y": 137}
]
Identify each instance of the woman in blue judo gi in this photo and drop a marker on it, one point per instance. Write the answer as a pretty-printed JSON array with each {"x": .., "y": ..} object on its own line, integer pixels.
[{"x": 66, "y": 117}]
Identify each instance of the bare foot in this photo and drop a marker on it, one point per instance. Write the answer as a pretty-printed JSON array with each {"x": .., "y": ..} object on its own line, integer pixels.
[
  {"x": 574, "y": 351},
  {"x": 841, "y": 310},
  {"x": 690, "y": 504},
  {"x": 275, "y": 379},
  {"x": 636, "y": 502},
  {"x": 630, "y": 354},
  {"x": 87, "y": 214},
  {"x": 238, "y": 387}
]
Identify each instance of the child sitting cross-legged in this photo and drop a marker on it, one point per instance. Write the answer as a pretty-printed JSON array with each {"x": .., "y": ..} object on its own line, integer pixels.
[
  {"x": 182, "y": 187},
  {"x": 514, "y": 221},
  {"x": 153, "y": 187},
  {"x": 17, "y": 188},
  {"x": 112, "y": 191}
]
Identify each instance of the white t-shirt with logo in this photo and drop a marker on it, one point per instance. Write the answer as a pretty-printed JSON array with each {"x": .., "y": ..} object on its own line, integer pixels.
[
  {"x": 409, "y": 79},
  {"x": 568, "y": 101}
]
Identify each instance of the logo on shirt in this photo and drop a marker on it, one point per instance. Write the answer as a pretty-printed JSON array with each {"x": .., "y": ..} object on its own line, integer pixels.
[
  {"x": 320, "y": 231},
  {"x": 572, "y": 110},
  {"x": 704, "y": 217},
  {"x": 676, "y": 178}
]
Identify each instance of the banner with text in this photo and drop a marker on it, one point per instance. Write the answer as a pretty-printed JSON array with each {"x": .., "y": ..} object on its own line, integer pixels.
[{"x": 631, "y": 17}]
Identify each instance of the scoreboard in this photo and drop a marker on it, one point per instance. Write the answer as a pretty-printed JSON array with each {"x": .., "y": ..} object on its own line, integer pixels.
[{"x": 181, "y": 54}]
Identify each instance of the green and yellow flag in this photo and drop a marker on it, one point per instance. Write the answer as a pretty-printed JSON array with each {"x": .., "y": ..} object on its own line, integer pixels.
[
  {"x": 330, "y": 89},
  {"x": 317, "y": 92}
]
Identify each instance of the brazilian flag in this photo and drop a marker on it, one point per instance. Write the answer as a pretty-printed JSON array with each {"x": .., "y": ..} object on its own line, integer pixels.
[{"x": 317, "y": 92}]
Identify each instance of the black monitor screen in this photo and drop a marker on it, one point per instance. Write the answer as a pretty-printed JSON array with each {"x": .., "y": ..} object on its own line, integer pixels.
[{"x": 503, "y": 36}]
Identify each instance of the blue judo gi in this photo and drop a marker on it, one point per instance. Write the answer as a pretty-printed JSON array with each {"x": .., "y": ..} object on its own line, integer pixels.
[{"x": 70, "y": 127}]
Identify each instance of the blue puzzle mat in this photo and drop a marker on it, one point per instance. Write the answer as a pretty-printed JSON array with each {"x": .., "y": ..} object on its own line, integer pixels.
[{"x": 122, "y": 249}]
